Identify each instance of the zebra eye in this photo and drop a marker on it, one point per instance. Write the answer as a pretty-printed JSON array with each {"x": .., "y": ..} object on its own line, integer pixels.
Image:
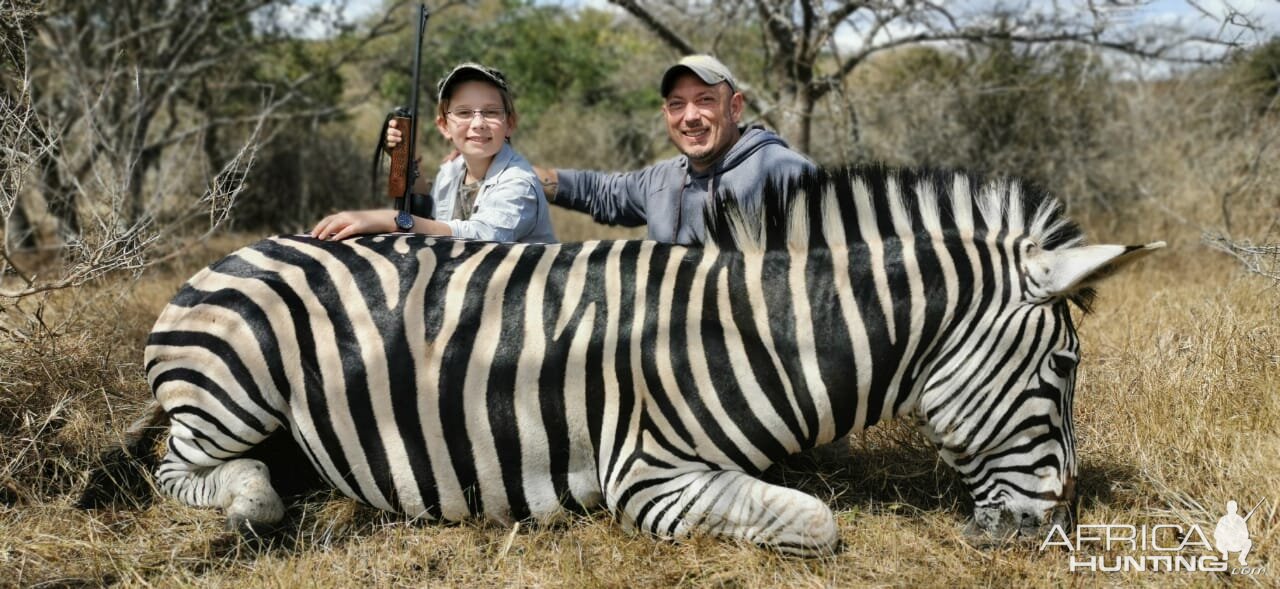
[{"x": 1061, "y": 362}]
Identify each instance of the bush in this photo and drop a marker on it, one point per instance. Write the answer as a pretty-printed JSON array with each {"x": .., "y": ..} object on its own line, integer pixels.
[
  {"x": 305, "y": 173},
  {"x": 1035, "y": 113},
  {"x": 1257, "y": 75}
]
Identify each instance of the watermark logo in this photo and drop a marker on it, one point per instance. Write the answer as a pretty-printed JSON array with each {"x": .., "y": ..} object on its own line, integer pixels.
[
  {"x": 1163, "y": 547},
  {"x": 1232, "y": 533}
]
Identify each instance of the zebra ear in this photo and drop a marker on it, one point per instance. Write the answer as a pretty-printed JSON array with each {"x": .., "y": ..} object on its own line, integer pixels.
[{"x": 1062, "y": 271}]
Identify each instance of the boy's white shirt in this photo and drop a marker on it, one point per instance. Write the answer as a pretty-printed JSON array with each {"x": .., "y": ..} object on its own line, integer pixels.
[{"x": 510, "y": 205}]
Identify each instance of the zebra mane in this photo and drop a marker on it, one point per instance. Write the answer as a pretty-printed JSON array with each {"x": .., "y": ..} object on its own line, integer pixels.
[{"x": 831, "y": 208}]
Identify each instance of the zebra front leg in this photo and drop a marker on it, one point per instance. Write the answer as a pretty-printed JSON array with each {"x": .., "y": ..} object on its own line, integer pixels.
[{"x": 734, "y": 504}]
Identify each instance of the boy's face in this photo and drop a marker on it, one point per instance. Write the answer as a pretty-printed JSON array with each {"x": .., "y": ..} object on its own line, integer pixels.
[
  {"x": 476, "y": 122},
  {"x": 702, "y": 120}
]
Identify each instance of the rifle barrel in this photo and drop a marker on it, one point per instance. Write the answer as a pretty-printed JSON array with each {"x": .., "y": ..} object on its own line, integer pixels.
[{"x": 412, "y": 175}]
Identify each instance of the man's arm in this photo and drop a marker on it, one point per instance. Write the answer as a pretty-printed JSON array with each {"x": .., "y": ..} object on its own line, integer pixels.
[
  {"x": 550, "y": 181},
  {"x": 617, "y": 198}
]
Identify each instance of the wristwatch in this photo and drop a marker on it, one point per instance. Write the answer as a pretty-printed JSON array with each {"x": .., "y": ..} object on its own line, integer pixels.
[{"x": 404, "y": 221}]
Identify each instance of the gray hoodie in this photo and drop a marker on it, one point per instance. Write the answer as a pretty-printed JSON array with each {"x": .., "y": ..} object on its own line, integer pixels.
[{"x": 670, "y": 195}]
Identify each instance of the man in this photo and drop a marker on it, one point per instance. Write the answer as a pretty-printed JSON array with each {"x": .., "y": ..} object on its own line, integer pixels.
[{"x": 703, "y": 108}]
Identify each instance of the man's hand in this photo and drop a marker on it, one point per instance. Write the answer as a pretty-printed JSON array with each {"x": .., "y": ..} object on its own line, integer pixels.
[{"x": 348, "y": 223}]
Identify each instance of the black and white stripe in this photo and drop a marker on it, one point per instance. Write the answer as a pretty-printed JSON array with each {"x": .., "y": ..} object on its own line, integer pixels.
[{"x": 449, "y": 379}]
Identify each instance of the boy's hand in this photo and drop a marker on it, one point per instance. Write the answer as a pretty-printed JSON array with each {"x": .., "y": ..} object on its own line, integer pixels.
[
  {"x": 394, "y": 136},
  {"x": 348, "y": 223}
]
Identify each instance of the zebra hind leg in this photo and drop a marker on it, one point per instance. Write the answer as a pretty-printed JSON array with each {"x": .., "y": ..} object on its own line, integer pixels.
[
  {"x": 240, "y": 486},
  {"x": 736, "y": 505}
]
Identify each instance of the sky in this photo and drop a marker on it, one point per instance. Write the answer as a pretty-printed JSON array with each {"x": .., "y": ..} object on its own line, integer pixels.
[
  {"x": 1204, "y": 17},
  {"x": 1207, "y": 17}
]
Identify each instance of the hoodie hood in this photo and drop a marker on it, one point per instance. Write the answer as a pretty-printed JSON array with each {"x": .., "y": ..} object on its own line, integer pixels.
[{"x": 754, "y": 138}]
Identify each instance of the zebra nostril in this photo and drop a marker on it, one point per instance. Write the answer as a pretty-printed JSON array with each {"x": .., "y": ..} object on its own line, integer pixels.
[{"x": 1029, "y": 523}]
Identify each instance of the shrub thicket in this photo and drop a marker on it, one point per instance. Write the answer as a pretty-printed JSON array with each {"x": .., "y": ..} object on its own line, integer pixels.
[{"x": 1039, "y": 114}]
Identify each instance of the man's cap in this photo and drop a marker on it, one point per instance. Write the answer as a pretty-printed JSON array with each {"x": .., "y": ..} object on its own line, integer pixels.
[
  {"x": 467, "y": 72},
  {"x": 707, "y": 68}
]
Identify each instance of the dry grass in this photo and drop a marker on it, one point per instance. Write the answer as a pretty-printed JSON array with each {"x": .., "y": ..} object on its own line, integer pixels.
[{"x": 1177, "y": 411}]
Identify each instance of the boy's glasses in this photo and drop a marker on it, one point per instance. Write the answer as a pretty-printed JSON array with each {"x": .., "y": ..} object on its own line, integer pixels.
[{"x": 466, "y": 115}]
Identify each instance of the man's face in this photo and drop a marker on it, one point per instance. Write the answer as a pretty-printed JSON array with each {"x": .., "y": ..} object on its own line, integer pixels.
[{"x": 702, "y": 120}]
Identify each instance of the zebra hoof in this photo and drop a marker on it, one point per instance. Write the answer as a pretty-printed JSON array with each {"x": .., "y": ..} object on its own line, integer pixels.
[
  {"x": 255, "y": 516},
  {"x": 822, "y": 539},
  {"x": 812, "y": 533},
  {"x": 250, "y": 529}
]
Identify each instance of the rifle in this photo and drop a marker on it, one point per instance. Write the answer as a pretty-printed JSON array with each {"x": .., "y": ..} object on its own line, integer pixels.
[{"x": 403, "y": 173}]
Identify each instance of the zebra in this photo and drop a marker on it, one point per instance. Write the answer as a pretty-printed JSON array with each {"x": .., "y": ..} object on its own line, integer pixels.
[{"x": 451, "y": 379}]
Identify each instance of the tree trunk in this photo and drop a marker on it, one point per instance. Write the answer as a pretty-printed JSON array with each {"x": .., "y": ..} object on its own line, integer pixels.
[
  {"x": 33, "y": 210},
  {"x": 796, "y": 123}
]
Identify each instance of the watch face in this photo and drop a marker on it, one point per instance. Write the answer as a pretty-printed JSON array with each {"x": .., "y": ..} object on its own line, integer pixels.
[{"x": 404, "y": 221}]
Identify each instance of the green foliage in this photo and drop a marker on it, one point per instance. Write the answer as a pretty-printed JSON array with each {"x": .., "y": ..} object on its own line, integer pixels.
[
  {"x": 914, "y": 64},
  {"x": 296, "y": 58},
  {"x": 556, "y": 58},
  {"x": 1258, "y": 75}
]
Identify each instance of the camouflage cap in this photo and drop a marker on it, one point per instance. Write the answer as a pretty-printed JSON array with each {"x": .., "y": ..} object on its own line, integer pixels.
[{"x": 465, "y": 72}]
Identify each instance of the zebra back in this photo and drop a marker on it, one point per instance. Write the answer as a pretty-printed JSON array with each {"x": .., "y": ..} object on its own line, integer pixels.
[{"x": 834, "y": 208}]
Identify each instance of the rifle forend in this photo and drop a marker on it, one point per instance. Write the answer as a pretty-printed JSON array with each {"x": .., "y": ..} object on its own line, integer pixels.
[{"x": 398, "y": 175}]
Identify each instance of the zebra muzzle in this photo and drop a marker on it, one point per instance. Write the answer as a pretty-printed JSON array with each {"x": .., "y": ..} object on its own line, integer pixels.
[{"x": 1000, "y": 524}]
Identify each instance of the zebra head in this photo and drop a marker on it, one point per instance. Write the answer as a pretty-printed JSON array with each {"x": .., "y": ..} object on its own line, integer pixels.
[{"x": 1001, "y": 411}]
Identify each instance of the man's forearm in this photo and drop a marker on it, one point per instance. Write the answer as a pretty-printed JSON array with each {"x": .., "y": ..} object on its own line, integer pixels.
[
  {"x": 613, "y": 198},
  {"x": 550, "y": 181}
]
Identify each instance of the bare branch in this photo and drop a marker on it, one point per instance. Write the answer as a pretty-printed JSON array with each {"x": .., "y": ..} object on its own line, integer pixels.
[
  {"x": 1263, "y": 259},
  {"x": 219, "y": 198},
  {"x": 116, "y": 96},
  {"x": 663, "y": 32},
  {"x": 842, "y": 12},
  {"x": 986, "y": 36},
  {"x": 779, "y": 25}
]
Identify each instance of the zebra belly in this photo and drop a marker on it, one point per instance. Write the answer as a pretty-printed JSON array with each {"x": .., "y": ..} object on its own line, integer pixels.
[{"x": 423, "y": 468}]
